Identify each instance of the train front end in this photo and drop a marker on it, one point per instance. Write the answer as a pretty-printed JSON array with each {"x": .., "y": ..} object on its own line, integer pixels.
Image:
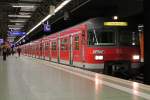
[{"x": 112, "y": 46}]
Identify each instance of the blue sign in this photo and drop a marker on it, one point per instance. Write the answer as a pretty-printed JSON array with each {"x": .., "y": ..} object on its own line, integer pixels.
[
  {"x": 16, "y": 33},
  {"x": 1, "y": 41},
  {"x": 47, "y": 27}
]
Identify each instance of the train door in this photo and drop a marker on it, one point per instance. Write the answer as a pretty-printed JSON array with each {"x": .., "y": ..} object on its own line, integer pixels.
[
  {"x": 39, "y": 52},
  {"x": 35, "y": 51},
  {"x": 50, "y": 50},
  {"x": 41, "y": 47},
  {"x": 71, "y": 50},
  {"x": 32, "y": 50},
  {"x": 58, "y": 48},
  {"x": 78, "y": 49},
  {"x": 46, "y": 53},
  {"x": 83, "y": 42},
  {"x": 43, "y": 50}
]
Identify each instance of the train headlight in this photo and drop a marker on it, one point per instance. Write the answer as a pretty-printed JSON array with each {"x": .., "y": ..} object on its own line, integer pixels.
[
  {"x": 99, "y": 57},
  {"x": 135, "y": 57}
]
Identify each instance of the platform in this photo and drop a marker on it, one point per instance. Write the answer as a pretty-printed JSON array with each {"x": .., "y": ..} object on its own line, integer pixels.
[{"x": 26, "y": 78}]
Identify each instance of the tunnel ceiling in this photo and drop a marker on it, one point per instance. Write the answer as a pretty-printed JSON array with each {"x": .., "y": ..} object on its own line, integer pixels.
[{"x": 78, "y": 10}]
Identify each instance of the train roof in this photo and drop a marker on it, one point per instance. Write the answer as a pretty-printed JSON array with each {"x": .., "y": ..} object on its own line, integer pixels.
[{"x": 81, "y": 23}]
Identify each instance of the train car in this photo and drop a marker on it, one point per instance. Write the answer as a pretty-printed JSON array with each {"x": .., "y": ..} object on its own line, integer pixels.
[{"x": 96, "y": 44}]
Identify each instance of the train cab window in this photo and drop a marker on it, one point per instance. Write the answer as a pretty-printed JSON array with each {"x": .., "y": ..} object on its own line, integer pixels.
[
  {"x": 53, "y": 45},
  {"x": 64, "y": 43},
  {"x": 128, "y": 38},
  {"x": 101, "y": 37},
  {"x": 76, "y": 41}
]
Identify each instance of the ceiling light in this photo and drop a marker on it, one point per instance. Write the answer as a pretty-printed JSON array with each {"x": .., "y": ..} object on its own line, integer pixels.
[
  {"x": 23, "y": 6},
  {"x": 62, "y": 5},
  {"x": 17, "y": 21},
  {"x": 24, "y": 13},
  {"x": 15, "y": 26},
  {"x": 47, "y": 17},
  {"x": 115, "y": 17},
  {"x": 21, "y": 16}
]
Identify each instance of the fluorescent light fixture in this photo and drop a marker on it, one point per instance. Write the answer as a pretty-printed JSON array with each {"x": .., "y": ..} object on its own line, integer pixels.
[
  {"x": 24, "y": 13},
  {"x": 46, "y": 18},
  {"x": 23, "y": 6},
  {"x": 17, "y": 21},
  {"x": 15, "y": 26},
  {"x": 21, "y": 16},
  {"x": 62, "y": 5}
]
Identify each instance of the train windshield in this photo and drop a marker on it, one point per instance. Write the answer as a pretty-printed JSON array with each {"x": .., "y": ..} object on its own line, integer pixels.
[
  {"x": 127, "y": 38},
  {"x": 110, "y": 36},
  {"x": 98, "y": 36}
]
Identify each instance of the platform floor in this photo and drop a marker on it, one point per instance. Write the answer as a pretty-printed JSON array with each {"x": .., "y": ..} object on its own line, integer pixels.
[{"x": 26, "y": 78}]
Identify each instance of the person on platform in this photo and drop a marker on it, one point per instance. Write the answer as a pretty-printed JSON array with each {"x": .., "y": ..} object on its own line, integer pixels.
[
  {"x": 19, "y": 51},
  {"x": 4, "y": 50}
]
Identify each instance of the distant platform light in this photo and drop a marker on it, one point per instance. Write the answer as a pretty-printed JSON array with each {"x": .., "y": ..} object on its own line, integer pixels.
[
  {"x": 21, "y": 16},
  {"x": 13, "y": 26},
  {"x": 23, "y": 40},
  {"x": 115, "y": 17},
  {"x": 133, "y": 43},
  {"x": 23, "y": 6},
  {"x": 17, "y": 21}
]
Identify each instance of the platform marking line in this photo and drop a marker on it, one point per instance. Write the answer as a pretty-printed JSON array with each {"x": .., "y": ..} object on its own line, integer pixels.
[{"x": 112, "y": 85}]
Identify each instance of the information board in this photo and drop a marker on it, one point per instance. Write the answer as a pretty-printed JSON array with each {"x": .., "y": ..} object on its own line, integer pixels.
[{"x": 16, "y": 33}]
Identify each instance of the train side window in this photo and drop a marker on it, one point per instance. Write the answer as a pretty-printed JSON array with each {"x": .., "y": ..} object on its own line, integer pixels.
[
  {"x": 46, "y": 46},
  {"x": 40, "y": 47},
  {"x": 76, "y": 41},
  {"x": 53, "y": 45},
  {"x": 64, "y": 43}
]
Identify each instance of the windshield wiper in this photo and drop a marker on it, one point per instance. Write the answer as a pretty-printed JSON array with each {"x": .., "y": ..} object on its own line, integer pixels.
[{"x": 95, "y": 36}]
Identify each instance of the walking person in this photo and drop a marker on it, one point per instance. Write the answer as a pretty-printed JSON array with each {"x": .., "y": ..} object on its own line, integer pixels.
[
  {"x": 4, "y": 50},
  {"x": 12, "y": 51},
  {"x": 19, "y": 51},
  {"x": 0, "y": 50}
]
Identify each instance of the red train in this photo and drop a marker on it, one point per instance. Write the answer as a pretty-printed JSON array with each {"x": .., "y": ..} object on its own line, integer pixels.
[{"x": 91, "y": 45}]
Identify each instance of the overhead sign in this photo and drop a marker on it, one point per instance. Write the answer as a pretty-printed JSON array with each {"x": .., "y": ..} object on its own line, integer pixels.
[
  {"x": 115, "y": 23},
  {"x": 47, "y": 27},
  {"x": 1, "y": 41},
  {"x": 10, "y": 39},
  {"x": 16, "y": 33}
]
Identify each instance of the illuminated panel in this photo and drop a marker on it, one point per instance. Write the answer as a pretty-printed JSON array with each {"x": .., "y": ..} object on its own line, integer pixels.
[
  {"x": 115, "y": 24},
  {"x": 1, "y": 41}
]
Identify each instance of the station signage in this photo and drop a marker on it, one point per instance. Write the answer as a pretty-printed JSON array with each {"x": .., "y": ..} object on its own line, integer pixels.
[
  {"x": 10, "y": 39},
  {"x": 47, "y": 27},
  {"x": 16, "y": 33},
  {"x": 1, "y": 41},
  {"x": 115, "y": 24}
]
